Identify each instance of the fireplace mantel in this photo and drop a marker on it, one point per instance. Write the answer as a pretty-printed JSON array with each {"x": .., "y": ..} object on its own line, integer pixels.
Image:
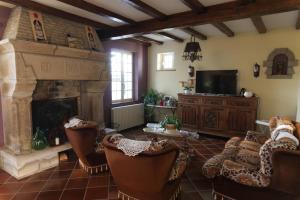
[{"x": 23, "y": 63}]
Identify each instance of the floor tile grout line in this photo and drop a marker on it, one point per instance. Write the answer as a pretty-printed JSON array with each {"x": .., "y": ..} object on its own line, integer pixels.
[
  {"x": 44, "y": 185},
  {"x": 61, "y": 195},
  {"x": 86, "y": 188}
]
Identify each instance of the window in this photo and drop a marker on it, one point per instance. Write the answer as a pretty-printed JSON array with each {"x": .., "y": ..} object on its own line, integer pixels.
[
  {"x": 165, "y": 61},
  {"x": 121, "y": 76}
]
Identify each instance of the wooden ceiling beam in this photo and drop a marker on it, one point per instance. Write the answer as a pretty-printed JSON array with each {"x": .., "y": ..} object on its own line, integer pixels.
[
  {"x": 133, "y": 39},
  {"x": 195, "y": 5},
  {"x": 259, "y": 24},
  {"x": 298, "y": 21},
  {"x": 147, "y": 39},
  {"x": 145, "y": 8},
  {"x": 56, "y": 12},
  {"x": 177, "y": 39},
  {"x": 98, "y": 10},
  {"x": 223, "y": 28},
  {"x": 195, "y": 33},
  {"x": 217, "y": 13}
]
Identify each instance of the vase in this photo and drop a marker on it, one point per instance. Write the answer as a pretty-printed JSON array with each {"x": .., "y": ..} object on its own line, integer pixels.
[{"x": 39, "y": 140}]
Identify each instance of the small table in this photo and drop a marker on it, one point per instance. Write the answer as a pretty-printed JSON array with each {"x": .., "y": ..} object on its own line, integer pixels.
[
  {"x": 263, "y": 126},
  {"x": 172, "y": 108},
  {"x": 176, "y": 134}
]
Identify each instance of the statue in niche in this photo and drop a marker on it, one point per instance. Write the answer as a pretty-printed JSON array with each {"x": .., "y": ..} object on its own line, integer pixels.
[{"x": 280, "y": 65}]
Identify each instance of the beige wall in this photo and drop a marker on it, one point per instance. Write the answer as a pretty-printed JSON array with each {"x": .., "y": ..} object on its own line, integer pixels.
[{"x": 277, "y": 96}]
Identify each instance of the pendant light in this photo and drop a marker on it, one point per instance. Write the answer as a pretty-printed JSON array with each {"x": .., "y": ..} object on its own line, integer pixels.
[{"x": 192, "y": 50}]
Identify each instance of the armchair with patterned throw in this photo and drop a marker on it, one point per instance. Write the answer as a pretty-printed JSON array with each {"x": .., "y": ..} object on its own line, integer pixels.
[
  {"x": 258, "y": 166},
  {"x": 144, "y": 170}
]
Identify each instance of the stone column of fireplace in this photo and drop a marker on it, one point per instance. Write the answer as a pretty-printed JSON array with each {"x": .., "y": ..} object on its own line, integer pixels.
[{"x": 23, "y": 63}]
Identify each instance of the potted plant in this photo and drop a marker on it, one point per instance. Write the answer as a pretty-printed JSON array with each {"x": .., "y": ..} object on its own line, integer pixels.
[
  {"x": 171, "y": 123},
  {"x": 150, "y": 98},
  {"x": 187, "y": 89}
]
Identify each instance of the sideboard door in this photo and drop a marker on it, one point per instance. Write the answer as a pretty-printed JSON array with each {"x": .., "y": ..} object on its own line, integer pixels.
[
  {"x": 213, "y": 118},
  {"x": 188, "y": 114},
  {"x": 241, "y": 120}
]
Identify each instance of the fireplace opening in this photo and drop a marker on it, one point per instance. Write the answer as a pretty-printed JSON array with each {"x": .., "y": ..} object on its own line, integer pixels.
[{"x": 50, "y": 115}]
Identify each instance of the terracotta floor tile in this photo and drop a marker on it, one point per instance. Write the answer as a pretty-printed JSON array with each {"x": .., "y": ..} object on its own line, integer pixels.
[
  {"x": 25, "y": 196},
  {"x": 6, "y": 196},
  {"x": 43, "y": 176},
  {"x": 57, "y": 184},
  {"x": 74, "y": 194},
  {"x": 66, "y": 166},
  {"x": 61, "y": 175},
  {"x": 49, "y": 195},
  {"x": 113, "y": 192},
  {"x": 4, "y": 177},
  {"x": 79, "y": 173},
  {"x": 77, "y": 183},
  {"x": 190, "y": 196},
  {"x": 14, "y": 180},
  {"x": 10, "y": 188},
  {"x": 35, "y": 186},
  {"x": 187, "y": 186},
  {"x": 96, "y": 193},
  {"x": 99, "y": 181}
]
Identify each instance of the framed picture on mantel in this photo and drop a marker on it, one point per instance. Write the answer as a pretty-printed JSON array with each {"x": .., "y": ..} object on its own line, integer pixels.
[
  {"x": 91, "y": 37},
  {"x": 37, "y": 24}
]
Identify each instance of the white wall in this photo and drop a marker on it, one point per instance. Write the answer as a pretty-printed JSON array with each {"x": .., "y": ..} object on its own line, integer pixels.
[
  {"x": 277, "y": 96},
  {"x": 298, "y": 112}
]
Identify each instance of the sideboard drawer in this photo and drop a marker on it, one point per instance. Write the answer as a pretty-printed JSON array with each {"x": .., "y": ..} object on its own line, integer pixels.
[
  {"x": 213, "y": 101},
  {"x": 188, "y": 100},
  {"x": 241, "y": 103}
]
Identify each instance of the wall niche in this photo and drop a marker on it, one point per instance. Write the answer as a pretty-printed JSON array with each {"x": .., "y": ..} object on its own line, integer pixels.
[{"x": 280, "y": 64}]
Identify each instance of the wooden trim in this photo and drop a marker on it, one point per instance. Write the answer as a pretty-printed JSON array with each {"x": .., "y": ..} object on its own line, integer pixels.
[
  {"x": 98, "y": 10},
  {"x": 217, "y": 13},
  {"x": 259, "y": 24},
  {"x": 223, "y": 28},
  {"x": 145, "y": 8},
  {"x": 59, "y": 13},
  {"x": 133, "y": 39},
  {"x": 147, "y": 39},
  {"x": 195, "y": 33},
  {"x": 177, "y": 39},
  {"x": 195, "y": 5},
  {"x": 298, "y": 21}
]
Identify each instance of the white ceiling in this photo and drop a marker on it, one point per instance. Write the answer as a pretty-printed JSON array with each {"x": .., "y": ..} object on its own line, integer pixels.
[{"x": 275, "y": 21}]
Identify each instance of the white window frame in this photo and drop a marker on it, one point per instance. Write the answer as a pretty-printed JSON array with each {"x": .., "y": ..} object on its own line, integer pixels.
[
  {"x": 123, "y": 100},
  {"x": 160, "y": 61}
]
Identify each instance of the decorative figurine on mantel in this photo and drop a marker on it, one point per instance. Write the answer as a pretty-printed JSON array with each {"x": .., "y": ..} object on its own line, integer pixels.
[{"x": 187, "y": 86}]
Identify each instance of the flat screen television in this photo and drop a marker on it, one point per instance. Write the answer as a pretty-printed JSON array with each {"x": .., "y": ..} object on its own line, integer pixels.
[{"x": 217, "y": 82}]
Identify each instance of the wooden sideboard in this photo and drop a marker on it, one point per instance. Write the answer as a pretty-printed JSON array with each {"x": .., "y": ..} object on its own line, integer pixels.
[{"x": 217, "y": 115}]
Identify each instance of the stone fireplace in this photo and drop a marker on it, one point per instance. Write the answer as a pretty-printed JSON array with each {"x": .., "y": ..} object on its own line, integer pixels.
[{"x": 32, "y": 71}]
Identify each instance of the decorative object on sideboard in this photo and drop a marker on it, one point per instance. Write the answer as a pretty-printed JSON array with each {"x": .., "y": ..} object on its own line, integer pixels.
[
  {"x": 37, "y": 24},
  {"x": 191, "y": 71},
  {"x": 187, "y": 86},
  {"x": 256, "y": 70},
  {"x": 192, "y": 50},
  {"x": 74, "y": 42},
  {"x": 248, "y": 94},
  {"x": 280, "y": 64},
  {"x": 242, "y": 92}
]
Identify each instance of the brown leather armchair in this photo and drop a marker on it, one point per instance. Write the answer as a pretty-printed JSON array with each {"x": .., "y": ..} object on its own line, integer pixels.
[
  {"x": 285, "y": 180},
  {"x": 83, "y": 141},
  {"x": 145, "y": 176}
]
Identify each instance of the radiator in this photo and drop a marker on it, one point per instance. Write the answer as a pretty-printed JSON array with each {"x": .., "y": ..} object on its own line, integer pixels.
[{"x": 125, "y": 117}]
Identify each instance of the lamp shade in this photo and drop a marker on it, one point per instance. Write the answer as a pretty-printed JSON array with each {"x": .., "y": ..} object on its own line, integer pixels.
[{"x": 192, "y": 50}]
